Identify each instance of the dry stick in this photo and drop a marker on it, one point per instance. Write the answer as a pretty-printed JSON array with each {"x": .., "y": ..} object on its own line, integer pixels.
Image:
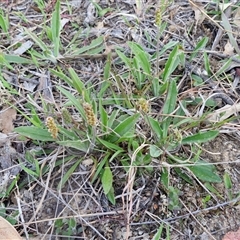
[{"x": 17, "y": 196}]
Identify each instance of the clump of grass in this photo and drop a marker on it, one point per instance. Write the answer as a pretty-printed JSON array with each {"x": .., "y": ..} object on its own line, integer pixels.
[{"x": 122, "y": 126}]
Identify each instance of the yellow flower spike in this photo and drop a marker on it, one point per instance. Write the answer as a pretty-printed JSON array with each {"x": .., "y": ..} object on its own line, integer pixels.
[
  {"x": 142, "y": 105},
  {"x": 52, "y": 127},
  {"x": 91, "y": 119},
  {"x": 158, "y": 17}
]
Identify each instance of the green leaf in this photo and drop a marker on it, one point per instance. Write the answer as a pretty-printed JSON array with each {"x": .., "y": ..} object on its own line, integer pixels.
[
  {"x": 207, "y": 63},
  {"x": 37, "y": 40},
  {"x": 200, "y": 45},
  {"x": 111, "y": 196},
  {"x": 183, "y": 175},
  {"x": 141, "y": 56},
  {"x": 169, "y": 106},
  {"x": 107, "y": 68},
  {"x": 123, "y": 128},
  {"x": 171, "y": 63},
  {"x": 78, "y": 84},
  {"x": 35, "y": 133},
  {"x": 29, "y": 171},
  {"x": 100, "y": 167},
  {"x": 62, "y": 76},
  {"x": 112, "y": 118},
  {"x": 227, "y": 181},
  {"x": 104, "y": 117},
  {"x": 69, "y": 134},
  {"x": 155, "y": 151},
  {"x": 56, "y": 27},
  {"x": 165, "y": 177},
  {"x": 205, "y": 172},
  {"x": 200, "y": 137},
  {"x": 109, "y": 145},
  {"x": 4, "y": 23},
  {"x": 107, "y": 179},
  {"x": 213, "y": 190},
  {"x": 16, "y": 59},
  {"x": 225, "y": 67},
  {"x": 96, "y": 50},
  {"x": 170, "y": 103},
  {"x": 68, "y": 174},
  {"x": 173, "y": 196},
  {"x": 74, "y": 101},
  {"x": 139, "y": 77},
  {"x": 77, "y": 144},
  {"x": 94, "y": 44},
  {"x": 125, "y": 59},
  {"x": 156, "y": 128},
  {"x": 158, "y": 234},
  {"x": 167, "y": 46}
]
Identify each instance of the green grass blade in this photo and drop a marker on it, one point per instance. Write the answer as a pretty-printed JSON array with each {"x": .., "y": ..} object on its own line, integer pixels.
[
  {"x": 171, "y": 63},
  {"x": 107, "y": 179},
  {"x": 169, "y": 106},
  {"x": 200, "y": 45},
  {"x": 80, "y": 145},
  {"x": 123, "y": 128},
  {"x": 125, "y": 59},
  {"x": 109, "y": 145},
  {"x": 4, "y": 23},
  {"x": 156, "y": 128},
  {"x": 74, "y": 101},
  {"x": 227, "y": 181},
  {"x": 69, "y": 134},
  {"x": 56, "y": 28},
  {"x": 37, "y": 40},
  {"x": 79, "y": 85},
  {"x": 207, "y": 63},
  {"x": 103, "y": 117},
  {"x": 100, "y": 167},
  {"x": 169, "y": 45},
  {"x": 35, "y": 133},
  {"x": 94, "y": 44},
  {"x": 158, "y": 234},
  {"x": 171, "y": 99},
  {"x": 16, "y": 59},
  {"x": 62, "y": 76},
  {"x": 201, "y": 137},
  {"x": 141, "y": 56},
  {"x": 29, "y": 171},
  {"x": 112, "y": 118}
]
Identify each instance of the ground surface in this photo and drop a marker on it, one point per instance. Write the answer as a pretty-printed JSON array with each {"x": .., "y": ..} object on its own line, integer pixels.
[{"x": 202, "y": 213}]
